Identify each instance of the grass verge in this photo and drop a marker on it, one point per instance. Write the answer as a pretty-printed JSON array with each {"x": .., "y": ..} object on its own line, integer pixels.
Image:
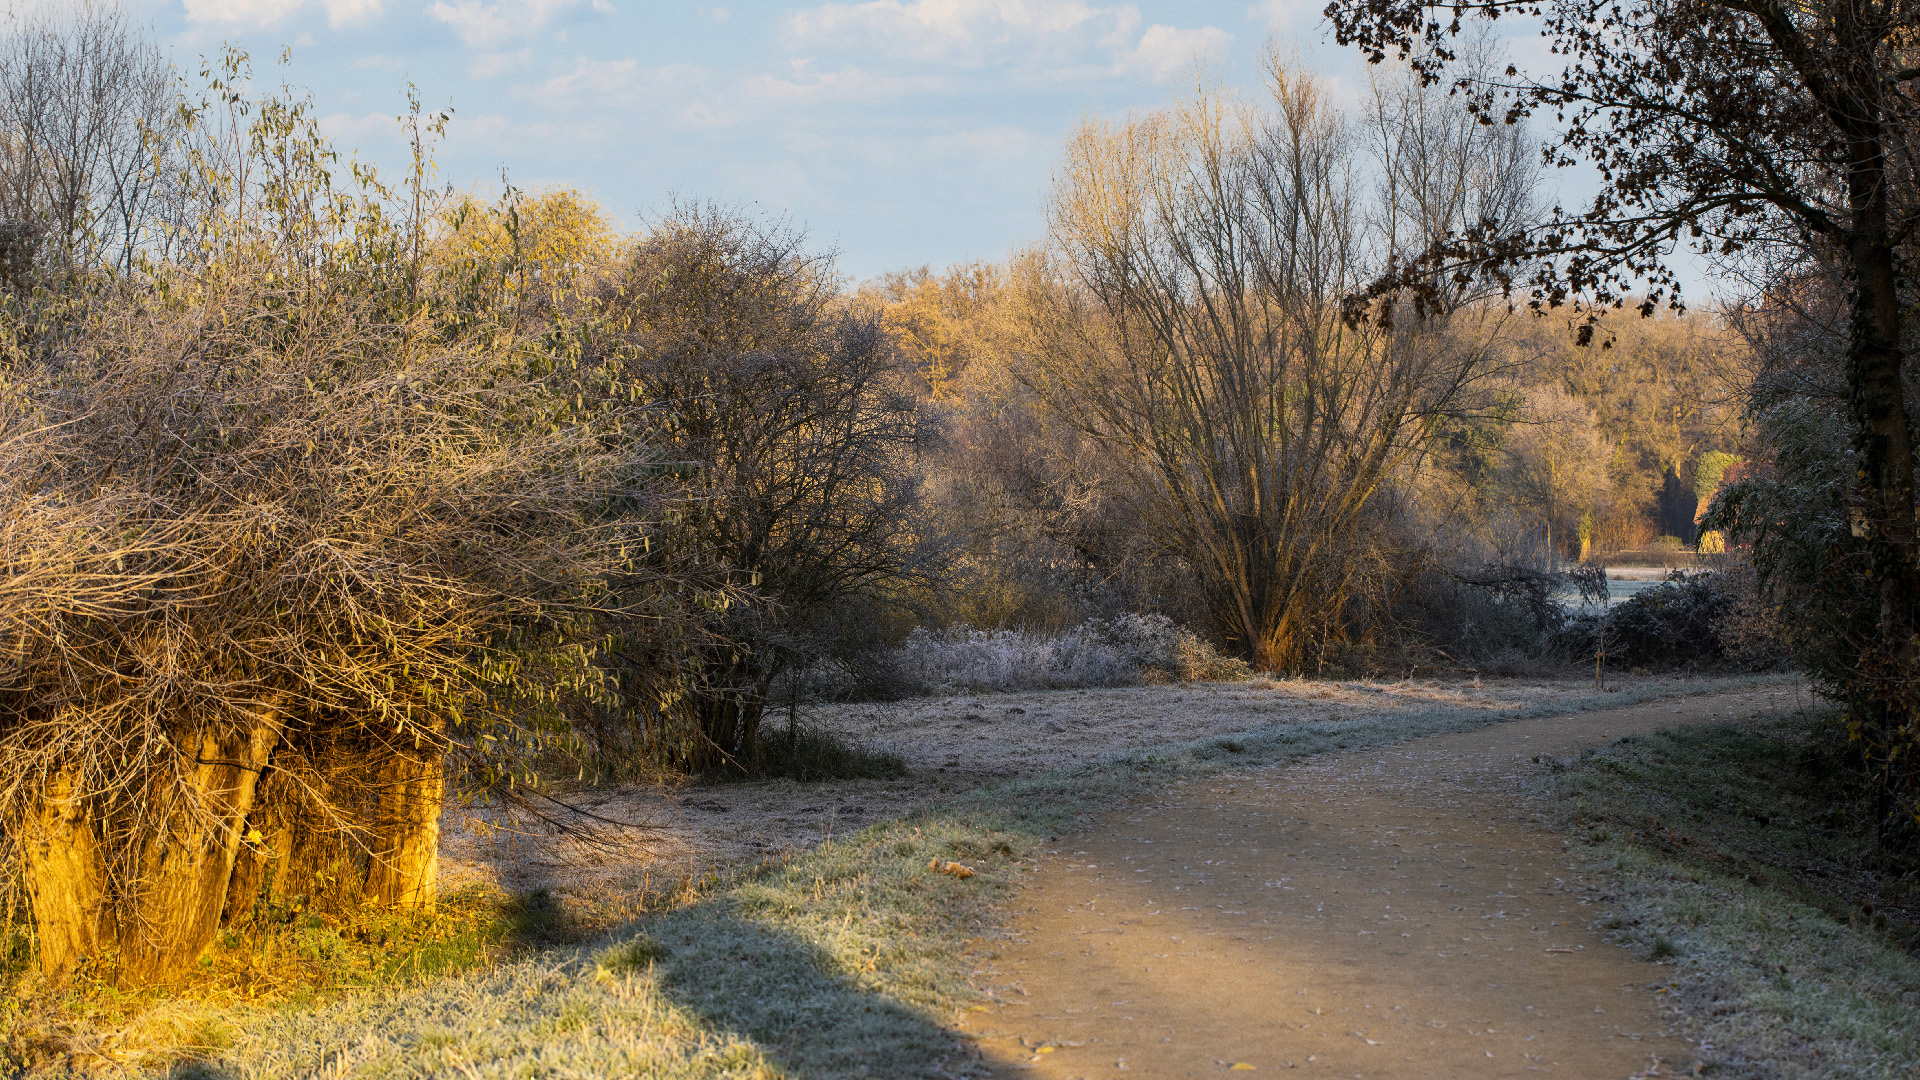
[
  {"x": 287, "y": 954},
  {"x": 847, "y": 960},
  {"x": 1743, "y": 856}
]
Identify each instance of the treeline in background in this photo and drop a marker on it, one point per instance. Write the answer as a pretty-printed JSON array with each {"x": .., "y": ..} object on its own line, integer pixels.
[{"x": 328, "y": 495}]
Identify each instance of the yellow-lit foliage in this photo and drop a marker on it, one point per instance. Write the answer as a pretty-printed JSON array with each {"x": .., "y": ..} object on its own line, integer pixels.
[
  {"x": 943, "y": 323},
  {"x": 1011, "y": 487},
  {"x": 1663, "y": 389},
  {"x": 539, "y": 244}
]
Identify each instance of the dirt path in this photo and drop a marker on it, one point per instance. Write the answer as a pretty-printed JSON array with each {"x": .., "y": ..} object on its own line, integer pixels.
[
  {"x": 951, "y": 743},
  {"x": 1377, "y": 914}
]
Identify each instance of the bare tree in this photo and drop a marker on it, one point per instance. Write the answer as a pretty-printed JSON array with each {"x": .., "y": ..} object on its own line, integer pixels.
[
  {"x": 1556, "y": 463},
  {"x": 1190, "y": 318},
  {"x": 1441, "y": 170},
  {"x": 1731, "y": 126},
  {"x": 792, "y": 416},
  {"x": 87, "y": 107}
]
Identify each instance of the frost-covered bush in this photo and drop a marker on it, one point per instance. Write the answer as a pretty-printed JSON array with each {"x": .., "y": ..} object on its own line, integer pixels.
[
  {"x": 1161, "y": 649},
  {"x": 1123, "y": 651},
  {"x": 1687, "y": 620},
  {"x": 1672, "y": 622},
  {"x": 966, "y": 659}
]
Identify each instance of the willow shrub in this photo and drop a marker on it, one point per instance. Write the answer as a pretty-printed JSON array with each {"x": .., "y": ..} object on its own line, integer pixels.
[{"x": 283, "y": 560}]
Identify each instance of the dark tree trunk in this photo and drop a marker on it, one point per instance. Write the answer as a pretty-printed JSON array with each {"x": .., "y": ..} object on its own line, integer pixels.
[{"x": 1883, "y": 434}]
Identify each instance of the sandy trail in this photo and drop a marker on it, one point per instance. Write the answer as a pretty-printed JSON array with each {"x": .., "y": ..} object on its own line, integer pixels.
[{"x": 1386, "y": 913}]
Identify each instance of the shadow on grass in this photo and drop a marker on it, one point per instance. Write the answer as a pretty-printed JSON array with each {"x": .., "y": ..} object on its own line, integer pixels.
[
  {"x": 1784, "y": 803},
  {"x": 844, "y": 963},
  {"x": 723, "y": 997},
  {"x": 808, "y": 754},
  {"x": 849, "y": 961},
  {"x": 796, "y": 1002},
  {"x": 1744, "y": 854},
  {"x": 535, "y": 920}
]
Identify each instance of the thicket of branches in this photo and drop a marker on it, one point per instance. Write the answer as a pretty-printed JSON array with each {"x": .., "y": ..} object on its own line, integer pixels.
[
  {"x": 1190, "y": 324},
  {"x": 795, "y": 435},
  {"x": 1167, "y": 407},
  {"x": 329, "y": 497}
]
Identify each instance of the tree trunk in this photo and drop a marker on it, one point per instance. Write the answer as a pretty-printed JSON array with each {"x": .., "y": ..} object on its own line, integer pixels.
[
  {"x": 1883, "y": 432},
  {"x": 1278, "y": 645},
  {"x": 67, "y": 877},
  {"x": 251, "y": 867},
  {"x": 406, "y": 854},
  {"x": 262, "y": 867},
  {"x": 1883, "y": 435},
  {"x": 180, "y": 891},
  {"x": 728, "y": 717}
]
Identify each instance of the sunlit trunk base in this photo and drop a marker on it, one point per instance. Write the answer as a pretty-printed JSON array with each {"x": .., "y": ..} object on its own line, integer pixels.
[
  {"x": 180, "y": 887},
  {"x": 158, "y": 919},
  {"x": 67, "y": 876},
  {"x": 1280, "y": 646},
  {"x": 219, "y": 842},
  {"x": 406, "y": 857},
  {"x": 378, "y": 845}
]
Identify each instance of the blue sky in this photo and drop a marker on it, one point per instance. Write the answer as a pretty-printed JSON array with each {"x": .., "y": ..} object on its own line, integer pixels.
[{"x": 901, "y": 132}]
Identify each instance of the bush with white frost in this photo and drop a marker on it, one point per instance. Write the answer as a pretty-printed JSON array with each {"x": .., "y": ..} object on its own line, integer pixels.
[{"x": 1123, "y": 651}]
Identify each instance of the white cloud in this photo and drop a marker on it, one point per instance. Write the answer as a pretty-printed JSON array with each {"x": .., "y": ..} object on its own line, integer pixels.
[
  {"x": 1164, "y": 51},
  {"x": 846, "y": 84},
  {"x": 682, "y": 97},
  {"x": 687, "y": 97},
  {"x": 487, "y": 25},
  {"x": 1002, "y": 143},
  {"x": 593, "y": 78},
  {"x": 1283, "y": 14},
  {"x": 348, "y": 130},
  {"x": 271, "y": 12},
  {"x": 341, "y": 12},
  {"x": 1054, "y": 39},
  {"x": 967, "y": 32},
  {"x": 493, "y": 65},
  {"x": 486, "y": 126},
  {"x": 259, "y": 12},
  {"x": 1533, "y": 55}
]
